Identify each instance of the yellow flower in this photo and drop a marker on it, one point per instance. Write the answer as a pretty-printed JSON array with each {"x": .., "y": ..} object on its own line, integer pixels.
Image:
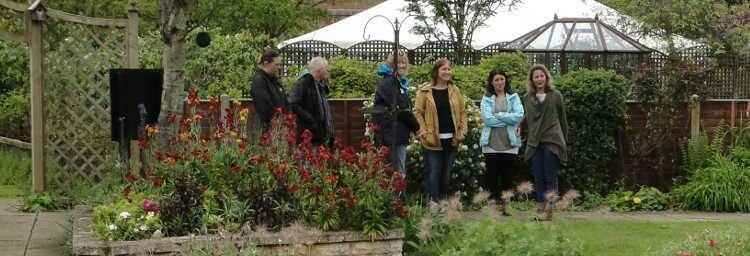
[
  {"x": 233, "y": 134},
  {"x": 636, "y": 200},
  {"x": 184, "y": 137},
  {"x": 243, "y": 114},
  {"x": 197, "y": 118},
  {"x": 236, "y": 102}
]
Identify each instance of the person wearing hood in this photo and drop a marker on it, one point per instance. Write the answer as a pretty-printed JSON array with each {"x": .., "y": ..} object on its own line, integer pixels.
[
  {"x": 309, "y": 101},
  {"x": 266, "y": 91},
  {"x": 502, "y": 112},
  {"x": 392, "y": 111}
]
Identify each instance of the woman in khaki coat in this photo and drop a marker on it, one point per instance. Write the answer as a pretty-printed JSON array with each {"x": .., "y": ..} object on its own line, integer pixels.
[{"x": 440, "y": 111}]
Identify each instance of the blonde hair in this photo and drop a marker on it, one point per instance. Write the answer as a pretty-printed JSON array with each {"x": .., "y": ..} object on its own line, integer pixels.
[
  {"x": 548, "y": 86},
  {"x": 402, "y": 57}
]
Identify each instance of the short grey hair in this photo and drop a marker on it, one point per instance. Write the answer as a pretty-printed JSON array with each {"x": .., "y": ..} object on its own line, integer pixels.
[{"x": 317, "y": 63}]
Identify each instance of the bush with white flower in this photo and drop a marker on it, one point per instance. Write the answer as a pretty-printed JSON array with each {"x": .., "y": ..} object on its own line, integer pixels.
[{"x": 127, "y": 220}]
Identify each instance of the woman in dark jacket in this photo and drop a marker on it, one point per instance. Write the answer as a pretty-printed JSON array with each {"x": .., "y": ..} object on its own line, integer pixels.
[
  {"x": 546, "y": 145},
  {"x": 392, "y": 111}
]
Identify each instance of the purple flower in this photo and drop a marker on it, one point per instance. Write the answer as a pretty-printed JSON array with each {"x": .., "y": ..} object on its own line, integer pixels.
[{"x": 150, "y": 206}]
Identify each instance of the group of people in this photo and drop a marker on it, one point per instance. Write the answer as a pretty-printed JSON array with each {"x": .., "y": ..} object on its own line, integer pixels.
[{"x": 439, "y": 120}]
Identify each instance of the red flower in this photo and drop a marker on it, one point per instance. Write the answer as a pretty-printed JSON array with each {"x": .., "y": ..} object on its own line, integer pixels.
[
  {"x": 292, "y": 188},
  {"x": 173, "y": 141},
  {"x": 306, "y": 177},
  {"x": 213, "y": 105},
  {"x": 130, "y": 177},
  {"x": 398, "y": 208},
  {"x": 711, "y": 243},
  {"x": 337, "y": 143},
  {"x": 291, "y": 139},
  {"x": 234, "y": 169},
  {"x": 349, "y": 199},
  {"x": 158, "y": 182},
  {"x": 257, "y": 159},
  {"x": 229, "y": 119},
  {"x": 241, "y": 145},
  {"x": 316, "y": 190},
  {"x": 171, "y": 118},
  {"x": 142, "y": 143},
  {"x": 158, "y": 155},
  {"x": 126, "y": 192},
  {"x": 398, "y": 182},
  {"x": 375, "y": 128},
  {"x": 364, "y": 143},
  {"x": 193, "y": 98},
  {"x": 362, "y": 165},
  {"x": 265, "y": 139},
  {"x": 349, "y": 155},
  {"x": 278, "y": 110}
]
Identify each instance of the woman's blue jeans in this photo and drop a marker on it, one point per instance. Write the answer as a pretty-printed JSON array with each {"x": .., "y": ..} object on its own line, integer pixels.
[
  {"x": 438, "y": 165},
  {"x": 545, "y": 166}
]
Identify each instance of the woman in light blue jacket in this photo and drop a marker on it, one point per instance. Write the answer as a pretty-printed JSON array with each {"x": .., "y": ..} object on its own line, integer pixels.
[{"x": 502, "y": 112}]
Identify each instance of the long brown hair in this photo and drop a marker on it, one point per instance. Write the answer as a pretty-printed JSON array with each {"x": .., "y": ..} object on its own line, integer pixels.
[
  {"x": 549, "y": 86},
  {"x": 434, "y": 73}
]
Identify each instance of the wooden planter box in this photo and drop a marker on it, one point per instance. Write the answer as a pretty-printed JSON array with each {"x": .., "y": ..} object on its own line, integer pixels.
[{"x": 327, "y": 243}]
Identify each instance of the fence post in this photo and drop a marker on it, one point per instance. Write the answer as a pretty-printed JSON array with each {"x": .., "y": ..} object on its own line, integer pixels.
[
  {"x": 224, "y": 99},
  {"x": 695, "y": 116},
  {"x": 131, "y": 61},
  {"x": 35, "y": 18}
]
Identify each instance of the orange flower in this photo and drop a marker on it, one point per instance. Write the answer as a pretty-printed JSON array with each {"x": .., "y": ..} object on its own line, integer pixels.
[
  {"x": 151, "y": 130},
  {"x": 331, "y": 179},
  {"x": 197, "y": 118},
  {"x": 171, "y": 161},
  {"x": 243, "y": 114},
  {"x": 332, "y": 197}
]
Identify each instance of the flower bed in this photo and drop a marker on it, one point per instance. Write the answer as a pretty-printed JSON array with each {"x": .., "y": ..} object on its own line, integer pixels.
[
  {"x": 224, "y": 181},
  {"x": 85, "y": 242}
]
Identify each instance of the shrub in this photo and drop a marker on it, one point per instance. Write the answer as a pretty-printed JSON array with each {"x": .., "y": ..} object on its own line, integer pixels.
[
  {"x": 721, "y": 187},
  {"x": 516, "y": 65},
  {"x": 696, "y": 154},
  {"x": 225, "y": 66},
  {"x": 595, "y": 102},
  {"x": 733, "y": 241},
  {"x": 43, "y": 202},
  {"x": 351, "y": 78},
  {"x": 646, "y": 199},
  {"x": 14, "y": 91}
]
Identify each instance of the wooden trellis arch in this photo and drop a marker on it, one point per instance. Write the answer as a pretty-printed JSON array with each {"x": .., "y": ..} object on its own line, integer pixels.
[{"x": 70, "y": 56}]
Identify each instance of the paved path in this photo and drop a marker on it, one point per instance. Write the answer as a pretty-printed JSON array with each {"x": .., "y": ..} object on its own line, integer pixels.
[{"x": 47, "y": 234}]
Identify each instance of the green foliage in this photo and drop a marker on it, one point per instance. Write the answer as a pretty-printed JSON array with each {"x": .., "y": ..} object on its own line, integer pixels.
[
  {"x": 490, "y": 237},
  {"x": 646, "y": 199},
  {"x": 516, "y": 65},
  {"x": 44, "y": 202},
  {"x": 125, "y": 220},
  {"x": 589, "y": 201},
  {"x": 721, "y": 187},
  {"x": 148, "y": 10},
  {"x": 351, "y": 78},
  {"x": 15, "y": 167},
  {"x": 223, "y": 67},
  {"x": 14, "y": 90},
  {"x": 595, "y": 106},
  {"x": 731, "y": 241},
  {"x": 696, "y": 154},
  {"x": 276, "y": 18}
]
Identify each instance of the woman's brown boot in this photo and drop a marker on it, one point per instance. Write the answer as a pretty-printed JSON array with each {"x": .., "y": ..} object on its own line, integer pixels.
[{"x": 541, "y": 213}]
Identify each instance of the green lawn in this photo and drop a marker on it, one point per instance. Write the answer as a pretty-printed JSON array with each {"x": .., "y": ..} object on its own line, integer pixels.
[{"x": 622, "y": 237}]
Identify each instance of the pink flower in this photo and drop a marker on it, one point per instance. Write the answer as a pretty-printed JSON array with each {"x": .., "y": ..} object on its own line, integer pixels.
[{"x": 150, "y": 206}]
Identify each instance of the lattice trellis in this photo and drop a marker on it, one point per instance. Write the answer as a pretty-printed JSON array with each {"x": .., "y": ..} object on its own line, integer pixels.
[
  {"x": 299, "y": 53},
  {"x": 444, "y": 49},
  {"x": 77, "y": 105},
  {"x": 375, "y": 50}
]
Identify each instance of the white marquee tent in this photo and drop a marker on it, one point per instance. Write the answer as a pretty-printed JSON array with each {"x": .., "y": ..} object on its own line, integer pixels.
[{"x": 505, "y": 26}]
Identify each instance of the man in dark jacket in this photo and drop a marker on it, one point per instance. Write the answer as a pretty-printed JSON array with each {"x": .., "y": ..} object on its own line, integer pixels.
[
  {"x": 266, "y": 91},
  {"x": 392, "y": 111},
  {"x": 309, "y": 101}
]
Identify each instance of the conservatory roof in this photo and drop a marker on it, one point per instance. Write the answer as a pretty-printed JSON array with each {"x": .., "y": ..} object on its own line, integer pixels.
[{"x": 576, "y": 35}]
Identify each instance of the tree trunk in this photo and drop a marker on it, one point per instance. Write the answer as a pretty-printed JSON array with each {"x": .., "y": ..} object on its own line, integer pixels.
[{"x": 174, "y": 19}]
